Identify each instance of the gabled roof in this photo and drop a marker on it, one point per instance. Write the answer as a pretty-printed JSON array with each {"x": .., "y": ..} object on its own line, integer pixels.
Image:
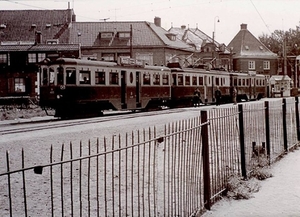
[
  {"x": 143, "y": 34},
  {"x": 245, "y": 45},
  {"x": 193, "y": 36},
  {"x": 21, "y": 25}
]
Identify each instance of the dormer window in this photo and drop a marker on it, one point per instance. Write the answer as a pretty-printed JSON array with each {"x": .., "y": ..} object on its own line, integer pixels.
[
  {"x": 261, "y": 47},
  {"x": 106, "y": 35},
  {"x": 48, "y": 25},
  {"x": 33, "y": 25},
  {"x": 246, "y": 47},
  {"x": 124, "y": 34},
  {"x": 172, "y": 37}
]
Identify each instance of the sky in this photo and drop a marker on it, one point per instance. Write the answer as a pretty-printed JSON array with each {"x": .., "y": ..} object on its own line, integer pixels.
[{"x": 261, "y": 16}]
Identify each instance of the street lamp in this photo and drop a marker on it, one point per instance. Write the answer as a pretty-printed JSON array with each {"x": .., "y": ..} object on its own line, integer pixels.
[{"x": 216, "y": 19}]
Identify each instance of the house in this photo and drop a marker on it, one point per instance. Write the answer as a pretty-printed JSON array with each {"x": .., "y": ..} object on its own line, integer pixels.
[
  {"x": 27, "y": 37},
  {"x": 136, "y": 39},
  {"x": 208, "y": 53},
  {"x": 250, "y": 55}
]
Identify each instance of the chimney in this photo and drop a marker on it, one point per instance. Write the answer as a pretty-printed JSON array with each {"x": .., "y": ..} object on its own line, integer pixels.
[
  {"x": 38, "y": 37},
  {"x": 243, "y": 26},
  {"x": 183, "y": 27},
  {"x": 157, "y": 21}
]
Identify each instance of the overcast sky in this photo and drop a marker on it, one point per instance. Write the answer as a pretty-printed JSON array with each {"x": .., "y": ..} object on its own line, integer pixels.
[{"x": 261, "y": 16}]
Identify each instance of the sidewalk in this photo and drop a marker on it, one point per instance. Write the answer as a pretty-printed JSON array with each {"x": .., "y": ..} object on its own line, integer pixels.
[{"x": 278, "y": 195}]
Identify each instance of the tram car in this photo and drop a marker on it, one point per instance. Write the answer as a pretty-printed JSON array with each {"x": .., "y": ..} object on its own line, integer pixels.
[
  {"x": 80, "y": 88},
  {"x": 187, "y": 80}
]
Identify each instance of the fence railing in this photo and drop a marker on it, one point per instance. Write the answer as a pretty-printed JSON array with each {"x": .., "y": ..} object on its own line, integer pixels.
[{"x": 178, "y": 171}]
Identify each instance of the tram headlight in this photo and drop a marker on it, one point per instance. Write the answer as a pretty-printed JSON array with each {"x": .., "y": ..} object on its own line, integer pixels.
[{"x": 59, "y": 96}]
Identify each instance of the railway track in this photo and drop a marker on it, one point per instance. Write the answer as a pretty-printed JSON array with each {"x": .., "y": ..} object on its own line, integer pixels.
[{"x": 57, "y": 123}]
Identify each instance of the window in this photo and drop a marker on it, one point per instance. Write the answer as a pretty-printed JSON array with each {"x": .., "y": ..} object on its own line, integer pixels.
[
  {"x": 106, "y": 35},
  {"x": 180, "y": 79},
  {"x": 201, "y": 81},
  {"x": 20, "y": 85},
  {"x": 156, "y": 79},
  {"x": 194, "y": 80},
  {"x": 113, "y": 78},
  {"x": 3, "y": 58},
  {"x": 84, "y": 77},
  {"x": 108, "y": 57},
  {"x": 187, "y": 80},
  {"x": 218, "y": 81},
  {"x": 165, "y": 79},
  {"x": 52, "y": 76},
  {"x": 146, "y": 79},
  {"x": 266, "y": 65},
  {"x": 124, "y": 34},
  {"x": 251, "y": 64},
  {"x": 45, "y": 76},
  {"x": 70, "y": 76},
  {"x": 32, "y": 58},
  {"x": 60, "y": 76},
  {"x": 100, "y": 77},
  {"x": 41, "y": 57}
]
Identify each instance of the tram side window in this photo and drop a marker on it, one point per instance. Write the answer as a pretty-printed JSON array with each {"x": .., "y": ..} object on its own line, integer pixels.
[
  {"x": 52, "y": 76},
  {"x": 84, "y": 77},
  {"x": 113, "y": 78},
  {"x": 218, "y": 81},
  {"x": 60, "y": 75},
  {"x": 180, "y": 79},
  {"x": 200, "y": 81},
  {"x": 187, "y": 80},
  {"x": 45, "y": 76},
  {"x": 70, "y": 76},
  {"x": 165, "y": 79},
  {"x": 194, "y": 80},
  {"x": 146, "y": 79},
  {"x": 100, "y": 77},
  {"x": 156, "y": 79}
]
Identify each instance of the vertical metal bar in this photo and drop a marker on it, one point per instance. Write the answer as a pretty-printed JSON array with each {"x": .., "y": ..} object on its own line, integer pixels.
[
  {"x": 126, "y": 175},
  {"x": 9, "y": 187},
  {"x": 143, "y": 172},
  {"x": 71, "y": 179},
  {"x": 113, "y": 174},
  {"x": 164, "y": 173},
  {"x": 120, "y": 179},
  {"x": 242, "y": 142},
  {"x": 24, "y": 184},
  {"x": 89, "y": 180},
  {"x": 97, "y": 178},
  {"x": 132, "y": 164},
  {"x": 80, "y": 177},
  {"x": 297, "y": 117},
  {"x": 51, "y": 180},
  {"x": 154, "y": 170},
  {"x": 149, "y": 173},
  {"x": 62, "y": 180},
  {"x": 138, "y": 173},
  {"x": 285, "y": 141},
  {"x": 205, "y": 153},
  {"x": 105, "y": 178},
  {"x": 267, "y": 116}
]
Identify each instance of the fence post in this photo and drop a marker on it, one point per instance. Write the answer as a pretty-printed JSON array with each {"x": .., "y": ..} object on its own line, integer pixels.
[
  {"x": 284, "y": 125},
  {"x": 297, "y": 116},
  {"x": 242, "y": 141},
  {"x": 205, "y": 155},
  {"x": 267, "y": 122}
]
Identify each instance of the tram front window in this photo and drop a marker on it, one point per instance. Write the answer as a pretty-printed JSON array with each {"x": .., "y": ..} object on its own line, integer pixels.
[
  {"x": 60, "y": 76},
  {"x": 51, "y": 76},
  {"x": 70, "y": 76},
  {"x": 44, "y": 76}
]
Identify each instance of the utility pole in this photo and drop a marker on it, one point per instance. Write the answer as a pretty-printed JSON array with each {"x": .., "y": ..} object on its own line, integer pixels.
[
  {"x": 284, "y": 56},
  {"x": 131, "y": 49}
]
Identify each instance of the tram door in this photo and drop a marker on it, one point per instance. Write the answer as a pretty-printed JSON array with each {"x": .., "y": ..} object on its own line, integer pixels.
[
  {"x": 138, "y": 90},
  {"x": 123, "y": 90}
]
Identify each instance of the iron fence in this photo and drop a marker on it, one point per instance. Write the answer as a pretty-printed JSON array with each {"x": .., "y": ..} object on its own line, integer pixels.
[{"x": 178, "y": 171}]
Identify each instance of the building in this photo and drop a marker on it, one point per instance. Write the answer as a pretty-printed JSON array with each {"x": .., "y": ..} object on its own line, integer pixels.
[
  {"x": 27, "y": 37},
  {"x": 250, "y": 55},
  {"x": 208, "y": 52}
]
